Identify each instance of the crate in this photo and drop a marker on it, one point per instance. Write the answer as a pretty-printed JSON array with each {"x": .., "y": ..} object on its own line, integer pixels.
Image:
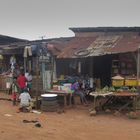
[
  {"x": 117, "y": 82},
  {"x": 130, "y": 82},
  {"x": 138, "y": 82}
]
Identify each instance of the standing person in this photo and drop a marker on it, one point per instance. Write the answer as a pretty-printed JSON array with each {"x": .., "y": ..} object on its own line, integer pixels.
[
  {"x": 21, "y": 81},
  {"x": 14, "y": 89},
  {"x": 29, "y": 81},
  {"x": 26, "y": 74}
]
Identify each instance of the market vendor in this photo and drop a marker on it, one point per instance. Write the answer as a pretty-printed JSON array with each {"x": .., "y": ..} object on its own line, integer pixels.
[{"x": 78, "y": 91}]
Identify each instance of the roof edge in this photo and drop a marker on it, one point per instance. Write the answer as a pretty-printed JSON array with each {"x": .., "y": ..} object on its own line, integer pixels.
[{"x": 106, "y": 29}]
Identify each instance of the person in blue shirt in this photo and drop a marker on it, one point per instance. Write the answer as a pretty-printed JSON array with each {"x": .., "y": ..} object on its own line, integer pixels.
[{"x": 76, "y": 88}]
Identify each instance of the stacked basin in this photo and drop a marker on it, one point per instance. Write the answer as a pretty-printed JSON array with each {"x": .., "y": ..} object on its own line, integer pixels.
[{"x": 49, "y": 102}]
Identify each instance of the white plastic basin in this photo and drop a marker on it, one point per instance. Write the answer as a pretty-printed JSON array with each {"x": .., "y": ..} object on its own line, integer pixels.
[{"x": 48, "y": 95}]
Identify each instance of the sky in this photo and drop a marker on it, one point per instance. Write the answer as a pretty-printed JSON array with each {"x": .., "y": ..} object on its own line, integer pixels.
[{"x": 34, "y": 19}]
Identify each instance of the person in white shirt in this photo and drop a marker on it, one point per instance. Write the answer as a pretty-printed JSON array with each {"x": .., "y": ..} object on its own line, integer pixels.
[
  {"x": 25, "y": 99},
  {"x": 29, "y": 78}
]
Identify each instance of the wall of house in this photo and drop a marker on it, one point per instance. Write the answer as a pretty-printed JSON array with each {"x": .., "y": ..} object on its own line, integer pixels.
[{"x": 124, "y": 64}]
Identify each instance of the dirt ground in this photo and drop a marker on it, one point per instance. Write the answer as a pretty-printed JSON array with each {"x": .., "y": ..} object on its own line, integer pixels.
[{"x": 74, "y": 124}]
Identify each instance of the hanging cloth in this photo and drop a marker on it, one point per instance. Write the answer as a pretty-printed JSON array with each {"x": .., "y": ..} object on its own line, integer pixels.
[
  {"x": 25, "y": 52},
  {"x": 29, "y": 50},
  {"x": 12, "y": 60}
]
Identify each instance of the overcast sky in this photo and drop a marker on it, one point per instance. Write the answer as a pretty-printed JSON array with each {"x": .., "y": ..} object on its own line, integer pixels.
[{"x": 31, "y": 19}]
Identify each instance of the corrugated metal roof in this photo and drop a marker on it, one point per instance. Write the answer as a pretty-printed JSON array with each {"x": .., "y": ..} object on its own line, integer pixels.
[
  {"x": 106, "y": 29},
  {"x": 75, "y": 45},
  {"x": 101, "y": 45},
  {"x": 126, "y": 44},
  {"x": 56, "y": 46},
  {"x": 8, "y": 39}
]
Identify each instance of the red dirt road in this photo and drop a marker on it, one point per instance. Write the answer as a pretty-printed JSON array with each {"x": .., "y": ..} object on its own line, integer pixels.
[{"x": 75, "y": 124}]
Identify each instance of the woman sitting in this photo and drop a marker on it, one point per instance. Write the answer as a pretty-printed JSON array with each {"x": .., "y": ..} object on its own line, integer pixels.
[{"x": 78, "y": 91}]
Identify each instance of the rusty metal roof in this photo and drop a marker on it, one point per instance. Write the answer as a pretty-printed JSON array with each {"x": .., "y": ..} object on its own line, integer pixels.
[
  {"x": 56, "y": 46},
  {"x": 126, "y": 44},
  {"x": 106, "y": 29},
  {"x": 75, "y": 45},
  {"x": 101, "y": 45}
]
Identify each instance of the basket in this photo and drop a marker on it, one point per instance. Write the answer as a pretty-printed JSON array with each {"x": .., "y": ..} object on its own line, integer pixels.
[{"x": 117, "y": 81}]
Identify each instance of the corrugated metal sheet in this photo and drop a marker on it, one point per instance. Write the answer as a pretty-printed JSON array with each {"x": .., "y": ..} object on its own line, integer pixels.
[
  {"x": 106, "y": 29},
  {"x": 126, "y": 44},
  {"x": 100, "y": 45},
  {"x": 56, "y": 46},
  {"x": 8, "y": 39},
  {"x": 75, "y": 45}
]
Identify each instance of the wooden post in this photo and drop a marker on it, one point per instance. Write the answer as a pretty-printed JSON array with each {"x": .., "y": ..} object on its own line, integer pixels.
[
  {"x": 25, "y": 61},
  {"x": 138, "y": 63},
  {"x": 52, "y": 69},
  {"x": 136, "y": 99},
  {"x": 94, "y": 105},
  {"x": 91, "y": 67},
  {"x": 43, "y": 76},
  {"x": 37, "y": 80},
  {"x": 79, "y": 67}
]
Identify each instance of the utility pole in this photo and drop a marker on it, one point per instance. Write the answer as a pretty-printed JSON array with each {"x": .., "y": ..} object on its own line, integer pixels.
[{"x": 42, "y": 37}]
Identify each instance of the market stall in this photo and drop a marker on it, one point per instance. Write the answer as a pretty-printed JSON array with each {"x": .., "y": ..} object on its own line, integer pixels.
[
  {"x": 114, "y": 101},
  {"x": 5, "y": 82},
  {"x": 62, "y": 93},
  {"x": 122, "y": 95}
]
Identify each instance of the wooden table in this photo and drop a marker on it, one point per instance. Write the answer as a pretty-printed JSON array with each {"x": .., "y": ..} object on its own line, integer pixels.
[
  {"x": 62, "y": 93},
  {"x": 97, "y": 94},
  {"x": 111, "y": 96},
  {"x": 125, "y": 95}
]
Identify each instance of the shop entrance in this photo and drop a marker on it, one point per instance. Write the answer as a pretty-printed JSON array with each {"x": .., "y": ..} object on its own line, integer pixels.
[{"x": 102, "y": 69}]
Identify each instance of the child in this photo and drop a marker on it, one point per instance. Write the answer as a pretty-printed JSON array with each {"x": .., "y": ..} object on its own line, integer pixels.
[
  {"x": 14, "y": 88},
  {"x": 25, "y": 99}
]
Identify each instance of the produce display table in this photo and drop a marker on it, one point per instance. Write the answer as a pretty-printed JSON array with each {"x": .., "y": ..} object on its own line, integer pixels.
[
  {"x": 99, "y": 94},
  {"x": 61, "y": 93},
  {"x": 112, "y": 99},
  {"x": 125, "y": 96}
]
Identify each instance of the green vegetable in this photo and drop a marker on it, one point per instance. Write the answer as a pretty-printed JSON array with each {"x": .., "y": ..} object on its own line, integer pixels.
[
  {"x": 105, "y": 89},
  {"x": 133, "y": 89},
  {"x": 112, "y": 89}
]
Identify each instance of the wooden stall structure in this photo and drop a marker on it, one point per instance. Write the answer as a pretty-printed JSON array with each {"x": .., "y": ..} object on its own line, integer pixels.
[{"x": 5, "y": 83}]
